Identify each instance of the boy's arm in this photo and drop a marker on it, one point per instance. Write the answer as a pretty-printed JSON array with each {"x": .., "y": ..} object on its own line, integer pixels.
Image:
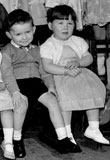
[
  {"x": 8, "y": 75},
  {"x": 47, "y": 78}
]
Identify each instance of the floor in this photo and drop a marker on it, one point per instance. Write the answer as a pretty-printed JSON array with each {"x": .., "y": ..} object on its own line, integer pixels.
[{"x": 38, "y": 150}]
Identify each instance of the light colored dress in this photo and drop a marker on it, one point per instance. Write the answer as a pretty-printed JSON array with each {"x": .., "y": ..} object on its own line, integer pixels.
[
  {"x": 82, "y": 92},
  {"x": 97, "y": 12},
  {"x": 37, "y": 10},
  {"x": 5, "y": 98},
  {"x": 9, "y": 5}
]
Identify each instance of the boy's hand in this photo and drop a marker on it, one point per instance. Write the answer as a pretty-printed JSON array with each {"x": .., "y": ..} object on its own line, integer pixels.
[
  {"x": 17, "y": 96},
  {"x": 52, "y": 90},
  {"x": 16, "y": 99},
  {"x": 2, "y": 86}
]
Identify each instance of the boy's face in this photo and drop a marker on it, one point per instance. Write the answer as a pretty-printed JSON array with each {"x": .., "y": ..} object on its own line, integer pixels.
[
  {"x": 22, "y": 33},
  {"x": 62, "y": 28}
]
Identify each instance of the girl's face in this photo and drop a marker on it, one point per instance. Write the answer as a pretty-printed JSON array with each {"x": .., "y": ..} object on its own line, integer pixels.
[
  {"x": 62, "y": 28},
  {"x": 22, "y": 33}
]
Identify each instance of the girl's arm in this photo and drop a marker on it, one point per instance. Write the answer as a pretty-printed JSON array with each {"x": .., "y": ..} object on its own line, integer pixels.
[
  {"x": 86, "y": 60},
  {"x": 52, "y": 68},
  {"x": 57, "y": 69}
]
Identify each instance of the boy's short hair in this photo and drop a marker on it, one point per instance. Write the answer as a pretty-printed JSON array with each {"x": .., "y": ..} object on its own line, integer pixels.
[
  {"x": 61, "y": 12},
  {"x": 17, "y": 16}
]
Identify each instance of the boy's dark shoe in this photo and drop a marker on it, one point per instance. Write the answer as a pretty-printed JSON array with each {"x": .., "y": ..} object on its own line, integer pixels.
[
  {"x": 19, "y": 149},
  {"x": 66, "y": 146}
]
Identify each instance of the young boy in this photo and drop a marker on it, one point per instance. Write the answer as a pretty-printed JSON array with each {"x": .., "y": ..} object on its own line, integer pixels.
[{"x": 21, "y": 71}]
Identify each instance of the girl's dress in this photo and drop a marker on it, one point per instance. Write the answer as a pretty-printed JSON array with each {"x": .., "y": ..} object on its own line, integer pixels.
[
  {"x": 82, "y": 92},
  {"x": 5, "y": 98}
]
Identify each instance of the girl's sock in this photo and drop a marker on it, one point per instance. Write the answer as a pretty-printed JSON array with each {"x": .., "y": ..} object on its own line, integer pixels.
[
  {"x": 61, "y": 133},
  {"x": 17, "y": 135},
  {"x": 8, "y": 139},
  {"x": 94, "y": 125},
  {"x": 69, "y": 133}
]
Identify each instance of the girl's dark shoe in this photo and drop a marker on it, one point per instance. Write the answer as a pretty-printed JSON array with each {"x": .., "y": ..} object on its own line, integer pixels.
[{"x": 19, "y": 149}]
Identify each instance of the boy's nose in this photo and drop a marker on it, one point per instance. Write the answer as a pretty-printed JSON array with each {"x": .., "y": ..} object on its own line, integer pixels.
[{"x": 24, "y": 36}]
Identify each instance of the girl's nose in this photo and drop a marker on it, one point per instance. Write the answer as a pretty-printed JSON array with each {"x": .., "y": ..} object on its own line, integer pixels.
[{"x": 65, "y": 25}]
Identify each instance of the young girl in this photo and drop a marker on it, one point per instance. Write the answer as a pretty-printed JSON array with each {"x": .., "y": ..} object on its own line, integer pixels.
[
  {"x": 6, "y": 109},
  {"x": 66, "y": 57}
]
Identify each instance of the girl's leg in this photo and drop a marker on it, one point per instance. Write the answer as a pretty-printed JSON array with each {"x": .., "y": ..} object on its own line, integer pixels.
[
  {"x": 7, "y": 124},
  {"x": 92, "y": 130}
]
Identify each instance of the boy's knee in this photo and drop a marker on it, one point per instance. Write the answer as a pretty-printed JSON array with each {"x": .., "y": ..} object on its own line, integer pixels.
[
  {"x": 23, "y": 106},
  {"x": 48, "y": 100}
]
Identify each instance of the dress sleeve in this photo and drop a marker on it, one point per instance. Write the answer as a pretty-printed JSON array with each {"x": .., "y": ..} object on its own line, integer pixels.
[
  {"x": 81, "y": 47},
  {"x": 46, "y": 51}
]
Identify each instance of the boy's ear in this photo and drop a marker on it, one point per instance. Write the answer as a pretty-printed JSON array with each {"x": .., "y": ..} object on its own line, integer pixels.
[
  {"x": 50, "y": 25},
  {"x": 34, "y": 29},
  {"x": 8, "y": 35}
]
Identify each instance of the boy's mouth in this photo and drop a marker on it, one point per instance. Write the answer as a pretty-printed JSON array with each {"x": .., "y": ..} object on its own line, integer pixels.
[{"x": 64, "y": 32}]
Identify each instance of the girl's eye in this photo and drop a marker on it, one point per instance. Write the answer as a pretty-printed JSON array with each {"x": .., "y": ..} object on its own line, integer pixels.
[
  {"x": 70, "y": 23},
  {"x": 28, "y": 31}
]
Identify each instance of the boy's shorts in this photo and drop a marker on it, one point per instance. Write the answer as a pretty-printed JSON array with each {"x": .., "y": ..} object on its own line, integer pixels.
[{"x": 32, "y": 88}]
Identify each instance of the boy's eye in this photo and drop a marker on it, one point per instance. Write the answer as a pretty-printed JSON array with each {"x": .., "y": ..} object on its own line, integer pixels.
[
  {"x": 18, "y": 34},
  {"x": 60, "y": 22}
]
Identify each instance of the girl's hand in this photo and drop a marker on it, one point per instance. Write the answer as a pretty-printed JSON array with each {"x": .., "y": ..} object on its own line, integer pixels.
[
  {"x": 72, "y": 64},
  {"x": 73, "y": 72}
]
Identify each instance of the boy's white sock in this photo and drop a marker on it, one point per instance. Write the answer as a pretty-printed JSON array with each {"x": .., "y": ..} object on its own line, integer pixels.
[
  {"x": 8, "y": 138},
  {"x": 17, "y": 135},
  {"x": 61, "y": 133},
  {"x": 69, "y": 134}
]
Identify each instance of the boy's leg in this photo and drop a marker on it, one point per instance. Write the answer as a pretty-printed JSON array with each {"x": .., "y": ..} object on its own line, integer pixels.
[
  {"x": 50, "y": 101},
  {"x": 67, "y": 119},
  {"x": 7, "y": 124},
  {"x": 92, "y": 130},
  {"x": 19, "y": 117}
]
